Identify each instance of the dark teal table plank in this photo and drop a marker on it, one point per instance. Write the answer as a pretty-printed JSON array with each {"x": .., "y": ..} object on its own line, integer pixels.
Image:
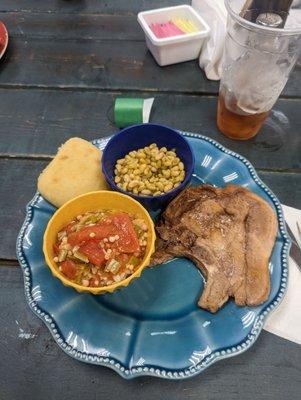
[
  {"x": 72, "y": 26},
  {"x": 35, "y": 368},
  {"x": 108, "y": 64},
  {"x": 91, "y": 64},
  {"x": 38, "y": 121},
  {"x": 87, "y": 6}
]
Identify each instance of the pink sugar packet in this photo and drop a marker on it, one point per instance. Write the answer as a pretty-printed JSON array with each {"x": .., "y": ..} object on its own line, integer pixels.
[{"x": 164, "y": 30}]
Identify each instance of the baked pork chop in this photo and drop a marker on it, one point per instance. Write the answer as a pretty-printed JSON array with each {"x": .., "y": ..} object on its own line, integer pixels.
[{"x": 229, "y": 233}]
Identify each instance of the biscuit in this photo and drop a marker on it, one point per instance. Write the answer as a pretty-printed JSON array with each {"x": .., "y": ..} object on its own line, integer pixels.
[{"x": 75, "y": 170}]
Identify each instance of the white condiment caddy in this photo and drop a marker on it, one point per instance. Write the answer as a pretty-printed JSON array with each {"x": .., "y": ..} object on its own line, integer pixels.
[{"x": 174, "y": 49}]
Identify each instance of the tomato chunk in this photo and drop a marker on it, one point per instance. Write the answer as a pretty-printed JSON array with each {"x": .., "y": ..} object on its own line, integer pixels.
[
  {"x": 128, "y": 241},
  {"x": 56, "y": 248},
  {"x": 118, "y": 224},
  {"x": 69, "y": 269},
  {"x": 94, "y": 253},
  {"x": 100, "y": 231}
]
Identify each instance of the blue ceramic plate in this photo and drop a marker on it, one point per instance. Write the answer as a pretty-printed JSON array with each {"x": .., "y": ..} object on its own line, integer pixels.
[{"x": 152, "y": 327}]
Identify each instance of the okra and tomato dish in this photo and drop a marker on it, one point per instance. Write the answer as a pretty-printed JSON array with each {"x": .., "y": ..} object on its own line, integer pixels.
[{"x": 100, "y": 248}]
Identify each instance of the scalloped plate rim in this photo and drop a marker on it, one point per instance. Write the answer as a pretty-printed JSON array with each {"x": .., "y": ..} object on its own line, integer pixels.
[{"x": 155, "y": 370}]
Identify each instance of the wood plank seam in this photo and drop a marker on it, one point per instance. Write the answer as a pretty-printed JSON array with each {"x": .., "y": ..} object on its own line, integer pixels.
[
  {"x": 49, "y": 157},
  {"x": 118, "y": 90},
  {"x": 109, "y": 90},
  {"x": 57, "y": 12}
]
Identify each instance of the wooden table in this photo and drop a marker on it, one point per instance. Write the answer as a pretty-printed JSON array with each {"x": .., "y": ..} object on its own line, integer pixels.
[{"x": 66, "y": 63}]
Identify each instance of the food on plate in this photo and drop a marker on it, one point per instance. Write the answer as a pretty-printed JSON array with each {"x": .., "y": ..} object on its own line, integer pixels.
[
  {"x": 101, "y": 201},
  {"x": 100, "y": 248},
  {"x": 149, "y": 171},
  {"x": 74, "y": 170},
  {"x": 229, "y": 233}
]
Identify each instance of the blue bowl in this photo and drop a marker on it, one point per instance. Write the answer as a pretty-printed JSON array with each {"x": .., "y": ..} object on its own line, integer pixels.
[{"x": 138, "y": 136}]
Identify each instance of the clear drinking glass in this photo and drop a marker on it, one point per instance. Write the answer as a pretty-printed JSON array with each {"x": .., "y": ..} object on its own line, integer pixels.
[{"x": 257, "y": 63}]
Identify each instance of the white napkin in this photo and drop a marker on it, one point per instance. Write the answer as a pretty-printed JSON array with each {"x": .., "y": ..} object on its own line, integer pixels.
[
  {"x": 215, "y": 14},
  {"x": 294, "y": 18},
  {"x": 285, "y": 321}
]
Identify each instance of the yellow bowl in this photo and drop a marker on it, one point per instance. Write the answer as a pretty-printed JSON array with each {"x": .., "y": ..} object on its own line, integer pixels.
[{"x": 94, "y": 201}]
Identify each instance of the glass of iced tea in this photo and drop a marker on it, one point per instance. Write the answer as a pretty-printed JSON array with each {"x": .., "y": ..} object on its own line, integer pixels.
[{"x": 257, "y": 62}]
